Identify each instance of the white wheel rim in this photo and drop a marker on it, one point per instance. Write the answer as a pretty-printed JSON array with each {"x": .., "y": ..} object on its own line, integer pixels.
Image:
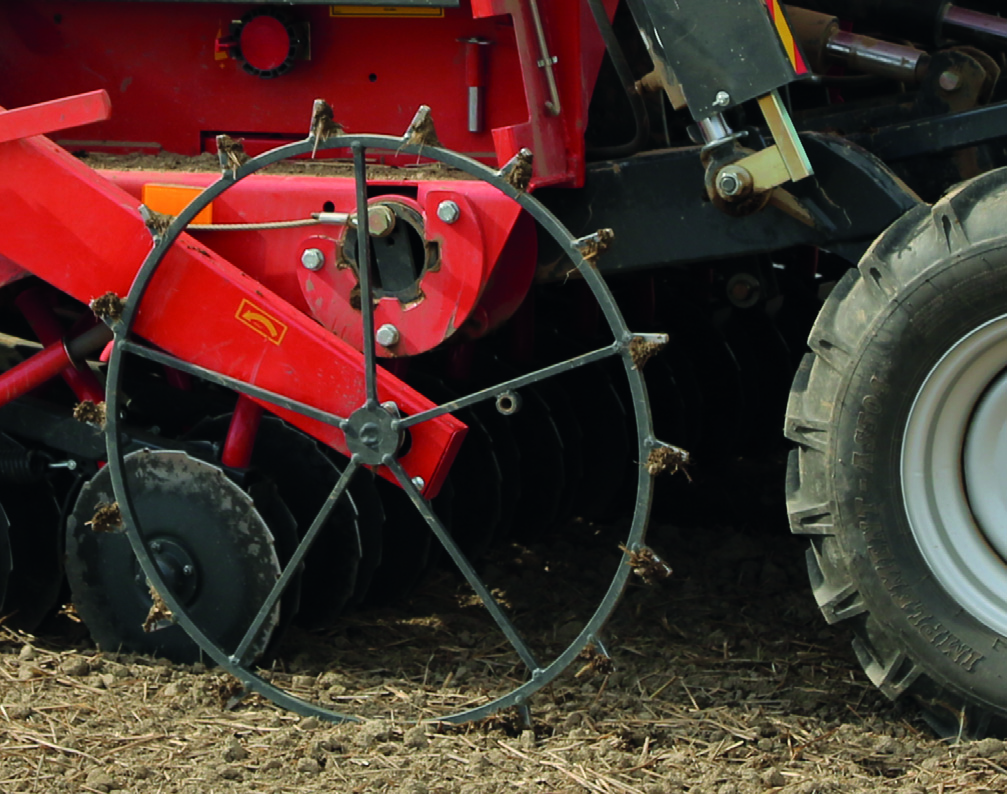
[{"x": 954, "y": 472}]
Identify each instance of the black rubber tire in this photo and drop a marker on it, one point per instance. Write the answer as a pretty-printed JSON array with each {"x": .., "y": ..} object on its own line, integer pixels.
[{"x": 935, "y": 276}]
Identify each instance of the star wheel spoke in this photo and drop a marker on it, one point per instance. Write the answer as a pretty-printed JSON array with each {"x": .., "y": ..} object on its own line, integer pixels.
[
  {"x": 464, "y": 566},
  {"x": 159, "y": 357}
]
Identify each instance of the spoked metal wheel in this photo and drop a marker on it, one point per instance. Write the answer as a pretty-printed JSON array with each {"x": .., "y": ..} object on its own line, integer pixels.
[{"x": 375, "y": 434}]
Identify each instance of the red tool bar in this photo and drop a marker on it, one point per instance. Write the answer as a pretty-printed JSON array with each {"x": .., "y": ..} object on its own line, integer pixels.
[
  {"x": 59, "y": 114},
  {"x": 74, "y": 229}
]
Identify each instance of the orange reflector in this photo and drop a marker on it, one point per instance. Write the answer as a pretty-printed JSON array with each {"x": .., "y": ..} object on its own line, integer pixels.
[{"x": 172, "y": 199}]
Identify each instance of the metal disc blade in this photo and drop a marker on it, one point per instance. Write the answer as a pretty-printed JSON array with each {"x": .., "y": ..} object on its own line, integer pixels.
[{"x": 206, "y": 537}]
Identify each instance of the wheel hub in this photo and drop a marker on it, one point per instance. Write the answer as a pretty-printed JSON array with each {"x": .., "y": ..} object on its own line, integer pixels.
[
  {"x": 176, "y": 566},
  {"x": 954, "y": 460},
  {"x": 371, "y": 433}
]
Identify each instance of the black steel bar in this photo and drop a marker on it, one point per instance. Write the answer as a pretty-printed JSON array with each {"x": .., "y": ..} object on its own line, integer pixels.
[
  {"x": 492, "y": 392},
  {"x": 364, "y": 274},
  {"x": 938, "y": 134},
  {"x": 460, "y": 560},
  {"x": 238, "y": 657},
  {"x": 232, "y": 383}
]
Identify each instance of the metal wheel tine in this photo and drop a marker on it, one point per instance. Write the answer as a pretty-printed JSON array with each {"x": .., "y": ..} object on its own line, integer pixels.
[
  {"x": 459, "y": 559},
  {"x": 278, "y": 400},
  {"x": 514, "y": 383},
  {"x": 364, "y": 274},
  {"x": 295, "y": 560}
]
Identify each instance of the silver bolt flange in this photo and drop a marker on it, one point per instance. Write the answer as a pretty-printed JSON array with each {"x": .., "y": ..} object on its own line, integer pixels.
[
  {"x": 313, "y": 258},
  {"x": 387, "y": 335},
  {"x": 449, "y": 211}
]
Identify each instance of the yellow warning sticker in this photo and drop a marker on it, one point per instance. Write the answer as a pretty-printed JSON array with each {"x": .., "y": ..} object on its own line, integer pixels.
[
  {"x": 260, "y": 321},
  {"x": 385, "y": 11}
]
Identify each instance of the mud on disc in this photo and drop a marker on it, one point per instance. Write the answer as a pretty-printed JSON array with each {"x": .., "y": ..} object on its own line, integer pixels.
[{"x": 213, "y": 550}]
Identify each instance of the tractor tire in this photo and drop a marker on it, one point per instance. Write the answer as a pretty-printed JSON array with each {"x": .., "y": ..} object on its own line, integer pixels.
[{"x": 899, "y": 414}]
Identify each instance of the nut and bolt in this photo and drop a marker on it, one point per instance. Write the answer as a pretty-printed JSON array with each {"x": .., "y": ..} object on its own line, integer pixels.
[
  {"x": 733, "y": 182},
  {"x": 722, "y": 99},
  {"x": 728, "y": 184},
  {"x": 188, "y": 570},
  {"x": 313, "y": 258},
  {"x": 744, "y": 290},
  {"x": 419, "y": 482},
  {"x": 387, "y": 335},
  {"x": 449, "y": 211},
  {"x": 380, "y": 220},
  {"x": 155, "y": 546},
  {"x": 949, "y": 81}
]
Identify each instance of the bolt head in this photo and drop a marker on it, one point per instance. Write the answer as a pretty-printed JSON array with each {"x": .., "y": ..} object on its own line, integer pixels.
[
  {"x": 380, "y": 220},
  {"x": 387, "y": 335},
  {"x": 155, "y": 546},
  {"x": 722, "y": 99},
  {"x": 188, "y": 570},
  {"x": 949, "y": 81},
  {"x": 449, "y": 211},
  {"x": 370, "y": 434},
  {"x": 419, "y": 482},
  {"x": 733, "y": 182},
  {"x": 313, "y": 259}
]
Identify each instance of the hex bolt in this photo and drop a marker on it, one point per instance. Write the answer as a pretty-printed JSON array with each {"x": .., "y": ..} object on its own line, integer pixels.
[
  {"x": 380, "y": 220},
  {"x": 155, "y": 546},
  {"x": 733, "y": 182},
  {"x": 722, "y": 99},
  {"x": 950, "y": 81},
  {"x": 449, "y": 211},
  {"x": 188, "y": 570},
  {"x": 419, "y": 482},
  {"x": 313, "y": 258},
  {"x": 729, "y": 184},
  {"x": 387, "y": 335}
]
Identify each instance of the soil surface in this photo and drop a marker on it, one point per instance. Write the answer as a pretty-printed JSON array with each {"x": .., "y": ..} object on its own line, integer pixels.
[{"x": 725, "y": 680}]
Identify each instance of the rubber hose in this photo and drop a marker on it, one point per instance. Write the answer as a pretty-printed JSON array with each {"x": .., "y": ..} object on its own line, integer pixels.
[{"x": 625, "y": 75}]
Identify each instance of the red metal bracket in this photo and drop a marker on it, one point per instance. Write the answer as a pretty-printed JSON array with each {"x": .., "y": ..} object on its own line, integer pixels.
[{"x": 59, "y": 114}]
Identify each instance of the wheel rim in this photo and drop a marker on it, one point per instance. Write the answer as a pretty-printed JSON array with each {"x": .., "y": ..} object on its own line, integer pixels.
[
  {"x": 361, "y": 423},
  {"x": 954, "y": 459}
]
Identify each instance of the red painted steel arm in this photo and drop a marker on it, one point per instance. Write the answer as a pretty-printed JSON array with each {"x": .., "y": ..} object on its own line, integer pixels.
[
  {"x": 66, "y": 224},
  {"x": 59, "y": 114}
]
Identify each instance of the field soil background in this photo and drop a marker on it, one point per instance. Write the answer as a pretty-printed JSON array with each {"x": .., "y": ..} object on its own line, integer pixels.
[{"x": 725, "y": 680}]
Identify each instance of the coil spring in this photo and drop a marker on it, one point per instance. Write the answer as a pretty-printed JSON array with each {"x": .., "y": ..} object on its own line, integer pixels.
[{"x": 22, "y": 465}]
